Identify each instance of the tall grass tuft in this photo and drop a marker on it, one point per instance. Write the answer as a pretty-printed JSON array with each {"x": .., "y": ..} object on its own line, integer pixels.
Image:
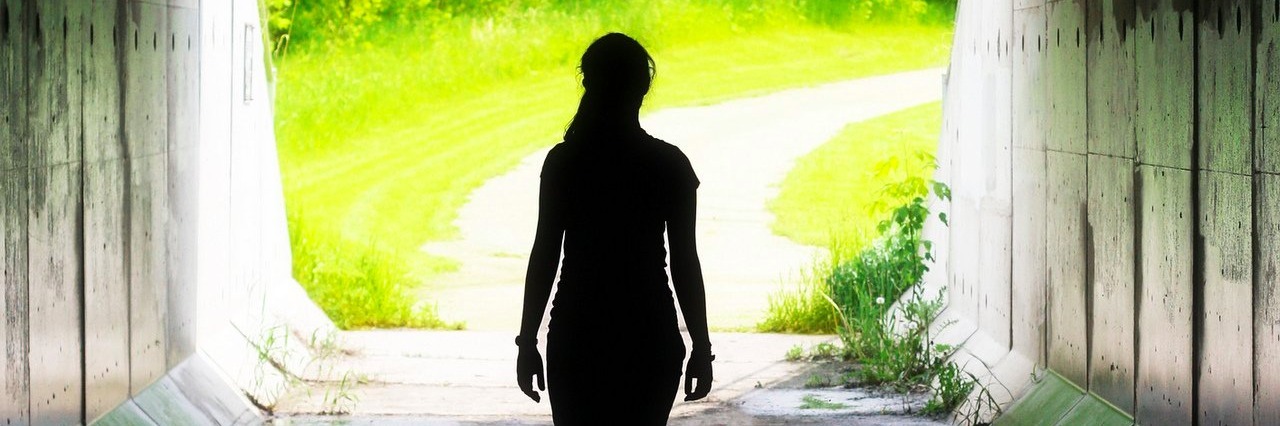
[
  {"x": 357, "y": 285},
  {"x": 805, "y": 308}
]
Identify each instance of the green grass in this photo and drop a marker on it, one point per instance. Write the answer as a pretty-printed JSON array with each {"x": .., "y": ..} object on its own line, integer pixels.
[
  {"x": 833, "y": 195},
  {"x": 381, "y": 138}
]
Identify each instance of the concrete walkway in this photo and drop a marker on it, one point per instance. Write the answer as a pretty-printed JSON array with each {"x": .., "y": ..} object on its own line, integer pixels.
[
  {"x": 470, "y": 375},
  {"x": 741, "y": 150}
]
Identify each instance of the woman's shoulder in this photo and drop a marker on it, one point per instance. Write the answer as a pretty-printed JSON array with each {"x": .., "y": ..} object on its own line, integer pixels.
[
  {"x": 675, "y": 162},
  {"x": 556, "y": 157},
  {"x": 670, "y": 150}
]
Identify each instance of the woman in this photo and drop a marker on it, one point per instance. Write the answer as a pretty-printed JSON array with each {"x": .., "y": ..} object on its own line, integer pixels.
[{"x": 607, "y": 193}]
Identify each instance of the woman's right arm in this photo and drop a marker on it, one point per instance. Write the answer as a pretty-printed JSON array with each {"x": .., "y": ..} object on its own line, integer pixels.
[
  {"x": 543, "y": 260},
  {"x": 686, "y": 277}
]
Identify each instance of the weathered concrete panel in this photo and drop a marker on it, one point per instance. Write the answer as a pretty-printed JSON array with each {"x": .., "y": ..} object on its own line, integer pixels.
[
  {"x": 1028, "y": 177},
  {"x": 963, "y": 282},
  {"x": 106, "y": 277},
  {"x": 1065, "y": 232},
  {"x": 76, "y": 39},
  {"x": 1111, "y": 273},
  {"x": 1112, "y": 77},
  {"x": 1165, "y": 295},
  {"x": 1029, "y": 74},
  {"x": 1165, "y": 49},
  {"x": 993, "y": 192},
  {"x": 962, "y": 278},
  {"x": 215, "y": 188},
  {"x": 145, "y": 80},
  {"x": 1266, "y": 296},
  {"x": 1029, "y": 239},
  {"x": 13, "y": 73},
  {"x": 146, "y": 136},
  {"x": 14, "y": 407},
  {"x": 106, "y": 284},
  {"x": 14, "y": 378},
  {"x": 55, "y": 294},
  {"x": 1065, "y": 77},
  {"x": 1225, "y": 76},
  {"x": 53, "y": 229},
  {"x": 47, "y": 87},
  {"x": 995, "y": 303},
  {"x": 182, "y": 174},
  {"x": 148, "y": 297},
  {"x": 102, "y": 85},
  {"x": 1225, "y": 392},
  {"x": 1267, "y": 90}
]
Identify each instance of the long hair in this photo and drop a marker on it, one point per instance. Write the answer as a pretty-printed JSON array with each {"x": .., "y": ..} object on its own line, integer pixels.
[{"x": 616, "y": 75}]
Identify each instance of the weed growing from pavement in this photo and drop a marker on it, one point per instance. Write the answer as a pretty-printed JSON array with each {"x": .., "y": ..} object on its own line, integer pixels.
[
  {"x": 817, "y": 381},
  {"x": 795, "y": 353},
  {"x": 812, "y": 402}
]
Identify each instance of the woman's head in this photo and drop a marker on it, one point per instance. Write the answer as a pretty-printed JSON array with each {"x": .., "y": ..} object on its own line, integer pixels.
[
  {"x": 616, "y": 75},
  {"x": 618, "y": 66}
]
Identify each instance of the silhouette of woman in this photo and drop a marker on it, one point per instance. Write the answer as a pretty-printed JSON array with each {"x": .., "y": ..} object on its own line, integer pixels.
[{"x": 607, "y": 193}]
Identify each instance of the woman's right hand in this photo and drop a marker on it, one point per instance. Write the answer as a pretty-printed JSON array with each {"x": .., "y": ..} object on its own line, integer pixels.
[
  {"x": 699, "y": 368},
  {"x": 528, "y": 365}
]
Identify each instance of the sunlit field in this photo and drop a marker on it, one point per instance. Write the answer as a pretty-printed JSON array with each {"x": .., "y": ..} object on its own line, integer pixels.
[
  {"x": 837, "y": 191},
  {"x": 386, "y": 121}
]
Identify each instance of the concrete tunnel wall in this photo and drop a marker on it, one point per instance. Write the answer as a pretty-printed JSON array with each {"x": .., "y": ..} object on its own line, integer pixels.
[
  {"x": 1115, "y": 213},
  {"x": 142, "y": 215}
]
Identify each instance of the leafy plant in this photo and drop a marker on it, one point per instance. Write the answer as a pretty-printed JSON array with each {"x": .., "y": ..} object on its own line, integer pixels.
[
  {"x": 795, "y": 353},
  {"x": 865, "y": 287},
  {"x": 893, "y": 345},
  {"x": 952, "y": 389}
]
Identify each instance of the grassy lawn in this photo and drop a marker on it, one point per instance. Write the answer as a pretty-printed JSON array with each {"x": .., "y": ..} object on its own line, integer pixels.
[
  {"x": 834, "y": 194},
  {"x": 382, "y": 138}
]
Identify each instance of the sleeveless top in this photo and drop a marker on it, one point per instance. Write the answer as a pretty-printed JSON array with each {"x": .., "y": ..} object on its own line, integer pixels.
[{"x": 613, "y": 197}]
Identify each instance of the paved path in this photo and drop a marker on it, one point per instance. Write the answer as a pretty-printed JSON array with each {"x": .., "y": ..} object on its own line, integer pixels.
[
  {"x": 470, "y": 375},
  {"x": 741, "y": 150},
  {"x": 413, "y": 377}
]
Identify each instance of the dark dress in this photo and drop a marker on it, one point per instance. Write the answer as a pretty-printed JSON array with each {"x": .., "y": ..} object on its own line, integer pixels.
[{"x": 614, "y": 349}]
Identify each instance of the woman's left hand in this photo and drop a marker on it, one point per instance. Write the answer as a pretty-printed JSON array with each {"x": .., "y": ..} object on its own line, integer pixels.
[
  {"x": 699, "y": 367},
  {"x": 528, "y": 365}
]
